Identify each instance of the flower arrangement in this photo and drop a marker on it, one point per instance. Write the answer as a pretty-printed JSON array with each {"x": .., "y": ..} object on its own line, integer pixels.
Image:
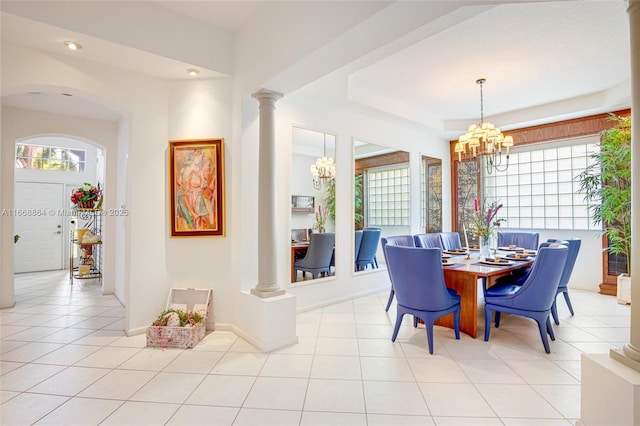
[
  {"x": 177, "y": 318},
  {"x": 484, "y": 223},
  {"x": 86, "y": 196},
  {"x": 321, "y": 217}
]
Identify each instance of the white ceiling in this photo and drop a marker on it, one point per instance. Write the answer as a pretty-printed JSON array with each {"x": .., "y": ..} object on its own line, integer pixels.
[{"x": 543, "y": 61}]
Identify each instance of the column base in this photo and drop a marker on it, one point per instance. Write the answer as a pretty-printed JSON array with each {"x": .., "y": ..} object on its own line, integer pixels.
[
  {"x": 269, "y": 323},
  {"x": 268, "y": 293},
  {"x": 610, "y": 392}
]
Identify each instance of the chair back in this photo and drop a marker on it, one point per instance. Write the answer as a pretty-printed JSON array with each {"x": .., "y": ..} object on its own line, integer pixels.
[
  {"x": 538, "y": 292},
  {"x": 398, "y": 240},
  {"x": 418, "y": 277},
  {"x": 450, "y": 240},
  {"x": 320, "y": 250},
  {"x": 527, "y": 240},
  {"x": 574, "y": 247},
  {"x": 368, "y": 246},
  {"x": 299, "y": 235},
  {"x": 428, "y": 240}
]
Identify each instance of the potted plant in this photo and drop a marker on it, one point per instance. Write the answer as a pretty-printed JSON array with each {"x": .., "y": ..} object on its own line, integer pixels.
[
  {"x": 607, "y": 184},
  {"x": 87, "y": 196}
]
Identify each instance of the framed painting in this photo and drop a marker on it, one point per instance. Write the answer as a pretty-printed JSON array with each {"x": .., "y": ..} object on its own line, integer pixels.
[{"x": 196, "y": 182}]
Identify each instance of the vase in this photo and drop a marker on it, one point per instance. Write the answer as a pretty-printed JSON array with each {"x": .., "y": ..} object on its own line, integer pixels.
[{"x": 485, "y": 251}]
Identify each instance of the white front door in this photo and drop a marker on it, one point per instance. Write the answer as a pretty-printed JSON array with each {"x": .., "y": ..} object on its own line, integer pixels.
[{"x": 38, "y": 221}]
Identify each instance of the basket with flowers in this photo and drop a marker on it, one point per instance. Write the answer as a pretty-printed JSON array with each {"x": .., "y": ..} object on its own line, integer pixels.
[{"x": 87, "y": 196}]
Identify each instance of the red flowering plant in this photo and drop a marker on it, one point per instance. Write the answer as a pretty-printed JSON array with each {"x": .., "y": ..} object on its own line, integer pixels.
[
  {"x": 86, "y": 193},
  {"x": 484, "y": 222}
]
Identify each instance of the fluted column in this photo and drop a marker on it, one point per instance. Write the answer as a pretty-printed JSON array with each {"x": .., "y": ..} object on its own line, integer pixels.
[
  {"x": 267, "y": 248},
  {"x": 631, "y": 351}
]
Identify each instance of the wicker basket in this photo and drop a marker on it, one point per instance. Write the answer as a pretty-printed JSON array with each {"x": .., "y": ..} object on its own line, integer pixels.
[
  {"x": 175, "y": 337},
  {"x": 90, "y": 204}
]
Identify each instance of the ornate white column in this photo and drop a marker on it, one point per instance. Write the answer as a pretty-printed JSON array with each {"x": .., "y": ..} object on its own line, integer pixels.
[
  {"x": 267, "y": 248},
  {"x": 630, "y": 354}
]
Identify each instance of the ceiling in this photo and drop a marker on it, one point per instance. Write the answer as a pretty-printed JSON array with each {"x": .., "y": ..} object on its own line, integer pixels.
[{"x": 543, "y": 61}]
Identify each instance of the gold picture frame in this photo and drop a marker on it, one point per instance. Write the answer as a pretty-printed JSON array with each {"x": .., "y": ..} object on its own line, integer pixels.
[{"x": 196, "y": 182}]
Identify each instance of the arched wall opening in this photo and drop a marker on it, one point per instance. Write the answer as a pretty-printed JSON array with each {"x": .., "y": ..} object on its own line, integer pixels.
[{"x": 109, "y": 136}]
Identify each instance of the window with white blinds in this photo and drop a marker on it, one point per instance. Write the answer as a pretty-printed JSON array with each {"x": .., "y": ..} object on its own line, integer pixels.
[
  {"x": 540, "y": 189},
  {"x": 387, "y": 195}
]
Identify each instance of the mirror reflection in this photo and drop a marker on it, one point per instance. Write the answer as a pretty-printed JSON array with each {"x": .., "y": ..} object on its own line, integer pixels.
[
  {"x": 431, "y": 193},
  {"x": 312, "y": 205},
  {"x": 381, "y": 201}
]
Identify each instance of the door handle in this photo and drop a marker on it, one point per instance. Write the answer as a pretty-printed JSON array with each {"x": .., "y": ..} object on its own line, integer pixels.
[{"x": 58, "y": 232}]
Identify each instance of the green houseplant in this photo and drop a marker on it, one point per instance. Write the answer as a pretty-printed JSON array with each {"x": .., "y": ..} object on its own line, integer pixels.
[{"x": 607, "y": 184}]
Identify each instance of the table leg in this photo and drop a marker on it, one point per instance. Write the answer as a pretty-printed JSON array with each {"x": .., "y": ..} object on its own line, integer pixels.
[{"x": 467, "y": 287}]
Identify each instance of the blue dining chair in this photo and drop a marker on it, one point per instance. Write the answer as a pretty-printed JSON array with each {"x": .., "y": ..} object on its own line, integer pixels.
[
  {"x": 398, "y": 240},
  {"x": 318, "y": 257},
  {"x": 450, "y": 241},
  {"x": 418, "y": 279},
  {"x": 527, "y": 240},
  {"x": 368, "y": 249},
  {"x": 534, "y": 298},
  {"x": 574, "y": 247},
  {"x": 428, "y": 240}
]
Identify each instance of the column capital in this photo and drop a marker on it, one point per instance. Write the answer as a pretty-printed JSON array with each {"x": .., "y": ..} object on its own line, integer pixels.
[{"x": 266, "y": 95}]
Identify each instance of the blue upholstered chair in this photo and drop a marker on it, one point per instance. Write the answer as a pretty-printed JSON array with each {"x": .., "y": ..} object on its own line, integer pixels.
[
  {"x": 574, "y": 247},
  {"x": 368, "y": 249},
  {"x": 399, "y": 240},
  {"x": 534, "y": 298},
  {"x": 357, "y": 240},
  {"x": 450, "y": 241},
  {"x": 428, "y": 240},
  {"x": 318, "y": 257},
  {"x": 418, "y": 279},
  {"x": 527, "y": 240}
]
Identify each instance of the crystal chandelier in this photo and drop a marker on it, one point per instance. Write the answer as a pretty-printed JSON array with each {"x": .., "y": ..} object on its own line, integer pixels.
[
  {"x": 486, "y": 141},
  {"x": 324, "y": 168}
]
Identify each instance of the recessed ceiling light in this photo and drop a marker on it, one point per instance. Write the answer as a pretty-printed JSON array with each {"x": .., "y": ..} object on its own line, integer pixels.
[
  {"x": 193, "y": 72},
  {"x": 73, "y": 45}
]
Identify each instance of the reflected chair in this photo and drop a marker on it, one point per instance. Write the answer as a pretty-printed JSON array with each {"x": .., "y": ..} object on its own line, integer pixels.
[
  {"x": 428, "y": 240},
  {"x": 450, "y": 241},
  {"x": 357, "y": 241},
  {"x": 574, "y": 247},
  {"x": 534, "y": 298},
  {"x": 368, "y": 249},
  {"x": 318, "y": 257},
  {"x": 418, "y": 279},
  {"x": 527, "y": 240},
  {"x": 399, "y": 240}
]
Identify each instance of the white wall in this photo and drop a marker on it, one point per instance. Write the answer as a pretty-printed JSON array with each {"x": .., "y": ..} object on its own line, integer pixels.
[{"x": 201, "y": 110}]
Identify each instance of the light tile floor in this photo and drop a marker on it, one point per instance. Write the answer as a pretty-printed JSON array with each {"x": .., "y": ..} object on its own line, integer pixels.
[{"x": 65, "y": 360}]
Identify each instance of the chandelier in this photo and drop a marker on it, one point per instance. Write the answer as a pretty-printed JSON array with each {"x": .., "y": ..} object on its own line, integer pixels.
[
  {"x": 486, "y": 141},
  {"x": 324, "y": 168}
]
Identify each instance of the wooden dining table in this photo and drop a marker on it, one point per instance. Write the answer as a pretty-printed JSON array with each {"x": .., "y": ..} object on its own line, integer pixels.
[
  {"x": 297, "y": 247},
  {"x": 463, "y": 277}
]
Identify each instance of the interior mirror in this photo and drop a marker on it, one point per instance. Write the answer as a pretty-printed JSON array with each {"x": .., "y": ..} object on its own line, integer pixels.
[
  {"x": 312, "y": 205},
  {"x": 431, "y": 192},
  {"x": 381, "y": 200}
]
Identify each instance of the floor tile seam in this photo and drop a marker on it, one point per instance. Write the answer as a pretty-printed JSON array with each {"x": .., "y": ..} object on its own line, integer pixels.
[
  {"x": 68, "y": 398},
  {"x": 59, "y": 372}
]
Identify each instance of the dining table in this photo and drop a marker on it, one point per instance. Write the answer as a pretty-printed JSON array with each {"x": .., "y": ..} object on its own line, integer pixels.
[
  {"x": 463, "y": 270},
  {"x": 297, "y": 248}
]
